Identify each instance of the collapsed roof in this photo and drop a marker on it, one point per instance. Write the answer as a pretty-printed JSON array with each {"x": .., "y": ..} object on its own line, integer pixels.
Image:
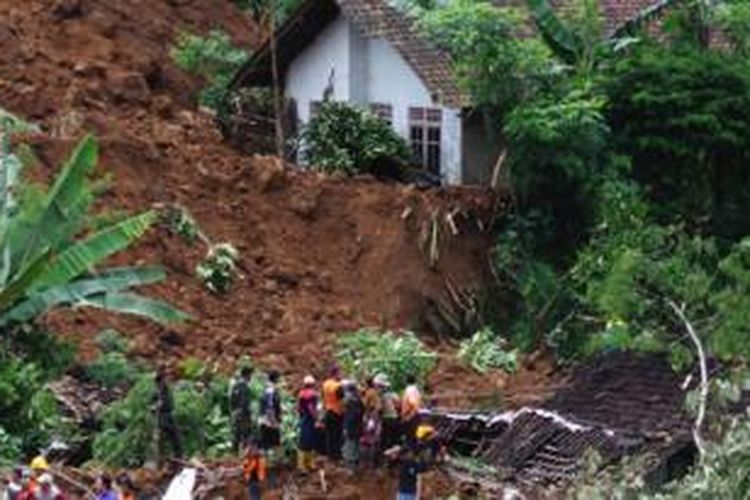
[{"x": 623, "y": 404}]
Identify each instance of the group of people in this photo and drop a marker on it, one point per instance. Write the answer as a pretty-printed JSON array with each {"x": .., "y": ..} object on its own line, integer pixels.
[
  {"x": 37, "y": 482},
  {"x": 369, "y": 425},
  {"x": 365, "y": 426}
]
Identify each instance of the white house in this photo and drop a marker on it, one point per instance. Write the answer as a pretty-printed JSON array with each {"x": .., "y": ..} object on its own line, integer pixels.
[{"x": 368, "y": 53}]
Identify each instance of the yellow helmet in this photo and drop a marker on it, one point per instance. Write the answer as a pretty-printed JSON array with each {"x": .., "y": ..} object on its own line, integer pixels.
[
  {"x": 39, "y": 463},
  {"x": 425, "y": 431}
]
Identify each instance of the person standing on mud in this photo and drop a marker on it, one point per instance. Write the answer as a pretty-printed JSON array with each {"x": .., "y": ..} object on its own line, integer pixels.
[
  {"x": 307, "y": 409},
  {"x": 270, "y": 424},
  {"x": 353, "y": 417},
  {"x": 239, "y": 405},
  {"x": 391, "y": 429},
  {"x": 333, "y": 405},
  {"x": 411, "y": 405},
  {"x": 165, "y": 415}
]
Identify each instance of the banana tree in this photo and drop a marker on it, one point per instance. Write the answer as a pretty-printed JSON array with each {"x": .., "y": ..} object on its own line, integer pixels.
[{"x": 49, "y": 259}]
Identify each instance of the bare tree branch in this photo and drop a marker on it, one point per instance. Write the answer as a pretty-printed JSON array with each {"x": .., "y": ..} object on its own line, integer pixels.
[{"x": 680, "y": 312}]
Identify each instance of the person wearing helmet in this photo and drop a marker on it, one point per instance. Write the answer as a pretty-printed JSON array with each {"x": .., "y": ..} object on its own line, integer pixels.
[
  {"x": 307, "y": 409},
  {"x": 47, "y": 489}
]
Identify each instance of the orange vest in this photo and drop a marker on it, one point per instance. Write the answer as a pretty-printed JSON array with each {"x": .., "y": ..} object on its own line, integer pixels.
[{"x": 332, "y": 396}]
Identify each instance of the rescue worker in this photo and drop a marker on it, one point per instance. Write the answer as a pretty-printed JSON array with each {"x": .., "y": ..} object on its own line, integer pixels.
[
  {"x": 270, "y": 423},
  {"x": 373, "y": 424},
  {"x": 239, "y": 405},
  {"x": 409, "y": 469},
  {"x": 391, "y": 427},
  {"x": 333, "y": 406},
  {"x": 254, "y": 471},
  {"x": 15, "y": 485},
  {"x": 307, "y": 409},
  {"x": 47, "y": 489},
  {"x": 429, "y": 449},
  {"x": 353, "y": 419},
  {"x": 411, "y": 404},
  {"x": 165, "y": 415}
]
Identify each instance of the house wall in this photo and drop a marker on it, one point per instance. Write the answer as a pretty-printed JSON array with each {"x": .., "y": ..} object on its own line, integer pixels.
[
  {"x": 309, "y": 74},
  {"x": 480, "y": 150},
  {"x": 370, "y": 70}
]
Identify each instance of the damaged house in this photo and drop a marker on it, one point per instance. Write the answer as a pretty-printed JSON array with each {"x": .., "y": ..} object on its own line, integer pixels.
[{"x": 369, "y": 53}]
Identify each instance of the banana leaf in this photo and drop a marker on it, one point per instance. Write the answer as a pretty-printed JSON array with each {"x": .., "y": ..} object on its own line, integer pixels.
[
  {"x": 566, "y": 44},
  {"x": 10, "y": 170},
  {"x": 84, "y": 255},
  {"x": 65, "y": 207},
  {"x": 138, "y": 305},
  {"x": 80, "y": 292},
  {"x": 20, "y": 285},
  {"x": 644, "y": 17}
]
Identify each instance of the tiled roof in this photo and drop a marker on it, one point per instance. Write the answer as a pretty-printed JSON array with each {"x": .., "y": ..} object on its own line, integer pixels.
[{"x": 377, "y": 18}]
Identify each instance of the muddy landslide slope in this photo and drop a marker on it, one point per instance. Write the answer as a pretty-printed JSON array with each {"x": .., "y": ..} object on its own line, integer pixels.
[{"x": 319, "y": 256}]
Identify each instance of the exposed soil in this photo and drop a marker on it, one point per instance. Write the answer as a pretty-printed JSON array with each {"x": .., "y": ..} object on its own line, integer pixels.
[{"x": 320, "y": 255}]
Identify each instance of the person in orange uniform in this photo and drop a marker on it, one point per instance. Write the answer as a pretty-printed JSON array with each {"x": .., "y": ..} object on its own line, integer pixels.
[
  {"x": 333, "y": 420},
  {"x": 254, "y": 471}
]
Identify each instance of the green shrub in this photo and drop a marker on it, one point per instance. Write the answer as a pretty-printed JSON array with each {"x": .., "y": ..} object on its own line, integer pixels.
[
  {"x": 214, "y": 58},
  {"x": 681, "y": 116},
  {"x": 10, "y": 449},
  {"x": 201, "y": 414},
  {"x": 112, "y": 369},
  {"x": 348, "y": 139},
  {"x": 485, "y": 351},
  {"x": 127, "y": 427},
  {"x": 219, "y": 270},
  {"x": 109, "y": 341},
  {"x": 366, "y": 353}
]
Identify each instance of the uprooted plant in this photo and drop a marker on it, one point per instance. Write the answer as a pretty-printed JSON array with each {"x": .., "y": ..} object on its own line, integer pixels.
[{"x": 220, "y": 268}]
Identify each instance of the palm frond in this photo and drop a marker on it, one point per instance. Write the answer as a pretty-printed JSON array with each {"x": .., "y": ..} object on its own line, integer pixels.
[
  {"x": 561, "y": 40},
  {"x": 138, "y": 305},
  {"x": 65, "y": 206},
  {"x": 112, "y": 281},
  {"x": 84, "y": 255}
]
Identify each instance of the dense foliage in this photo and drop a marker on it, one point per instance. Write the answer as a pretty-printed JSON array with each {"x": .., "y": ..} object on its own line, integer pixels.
[
  {"x": 484, "y": 42},
  {"x": 367, "y": 353},
  {"x": 351, "y": 140},
  {"x": 681, "y": 116},
  {"x": 214, "y": 58}
]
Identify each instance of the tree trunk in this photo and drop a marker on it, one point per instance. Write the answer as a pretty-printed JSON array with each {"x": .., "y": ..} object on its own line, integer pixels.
[{"x": 277, "y": 98}]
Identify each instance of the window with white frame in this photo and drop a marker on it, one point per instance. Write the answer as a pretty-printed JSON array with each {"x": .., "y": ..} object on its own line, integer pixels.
[
  {"x": 382, "y": 111},
  {"x": 424, "y": 136}
]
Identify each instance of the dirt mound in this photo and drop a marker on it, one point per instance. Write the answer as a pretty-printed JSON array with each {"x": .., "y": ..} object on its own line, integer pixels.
[{"x": 319, "y": 255}]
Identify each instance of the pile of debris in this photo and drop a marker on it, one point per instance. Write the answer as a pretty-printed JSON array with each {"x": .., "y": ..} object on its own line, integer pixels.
[{"x": 621, "y": 405}]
